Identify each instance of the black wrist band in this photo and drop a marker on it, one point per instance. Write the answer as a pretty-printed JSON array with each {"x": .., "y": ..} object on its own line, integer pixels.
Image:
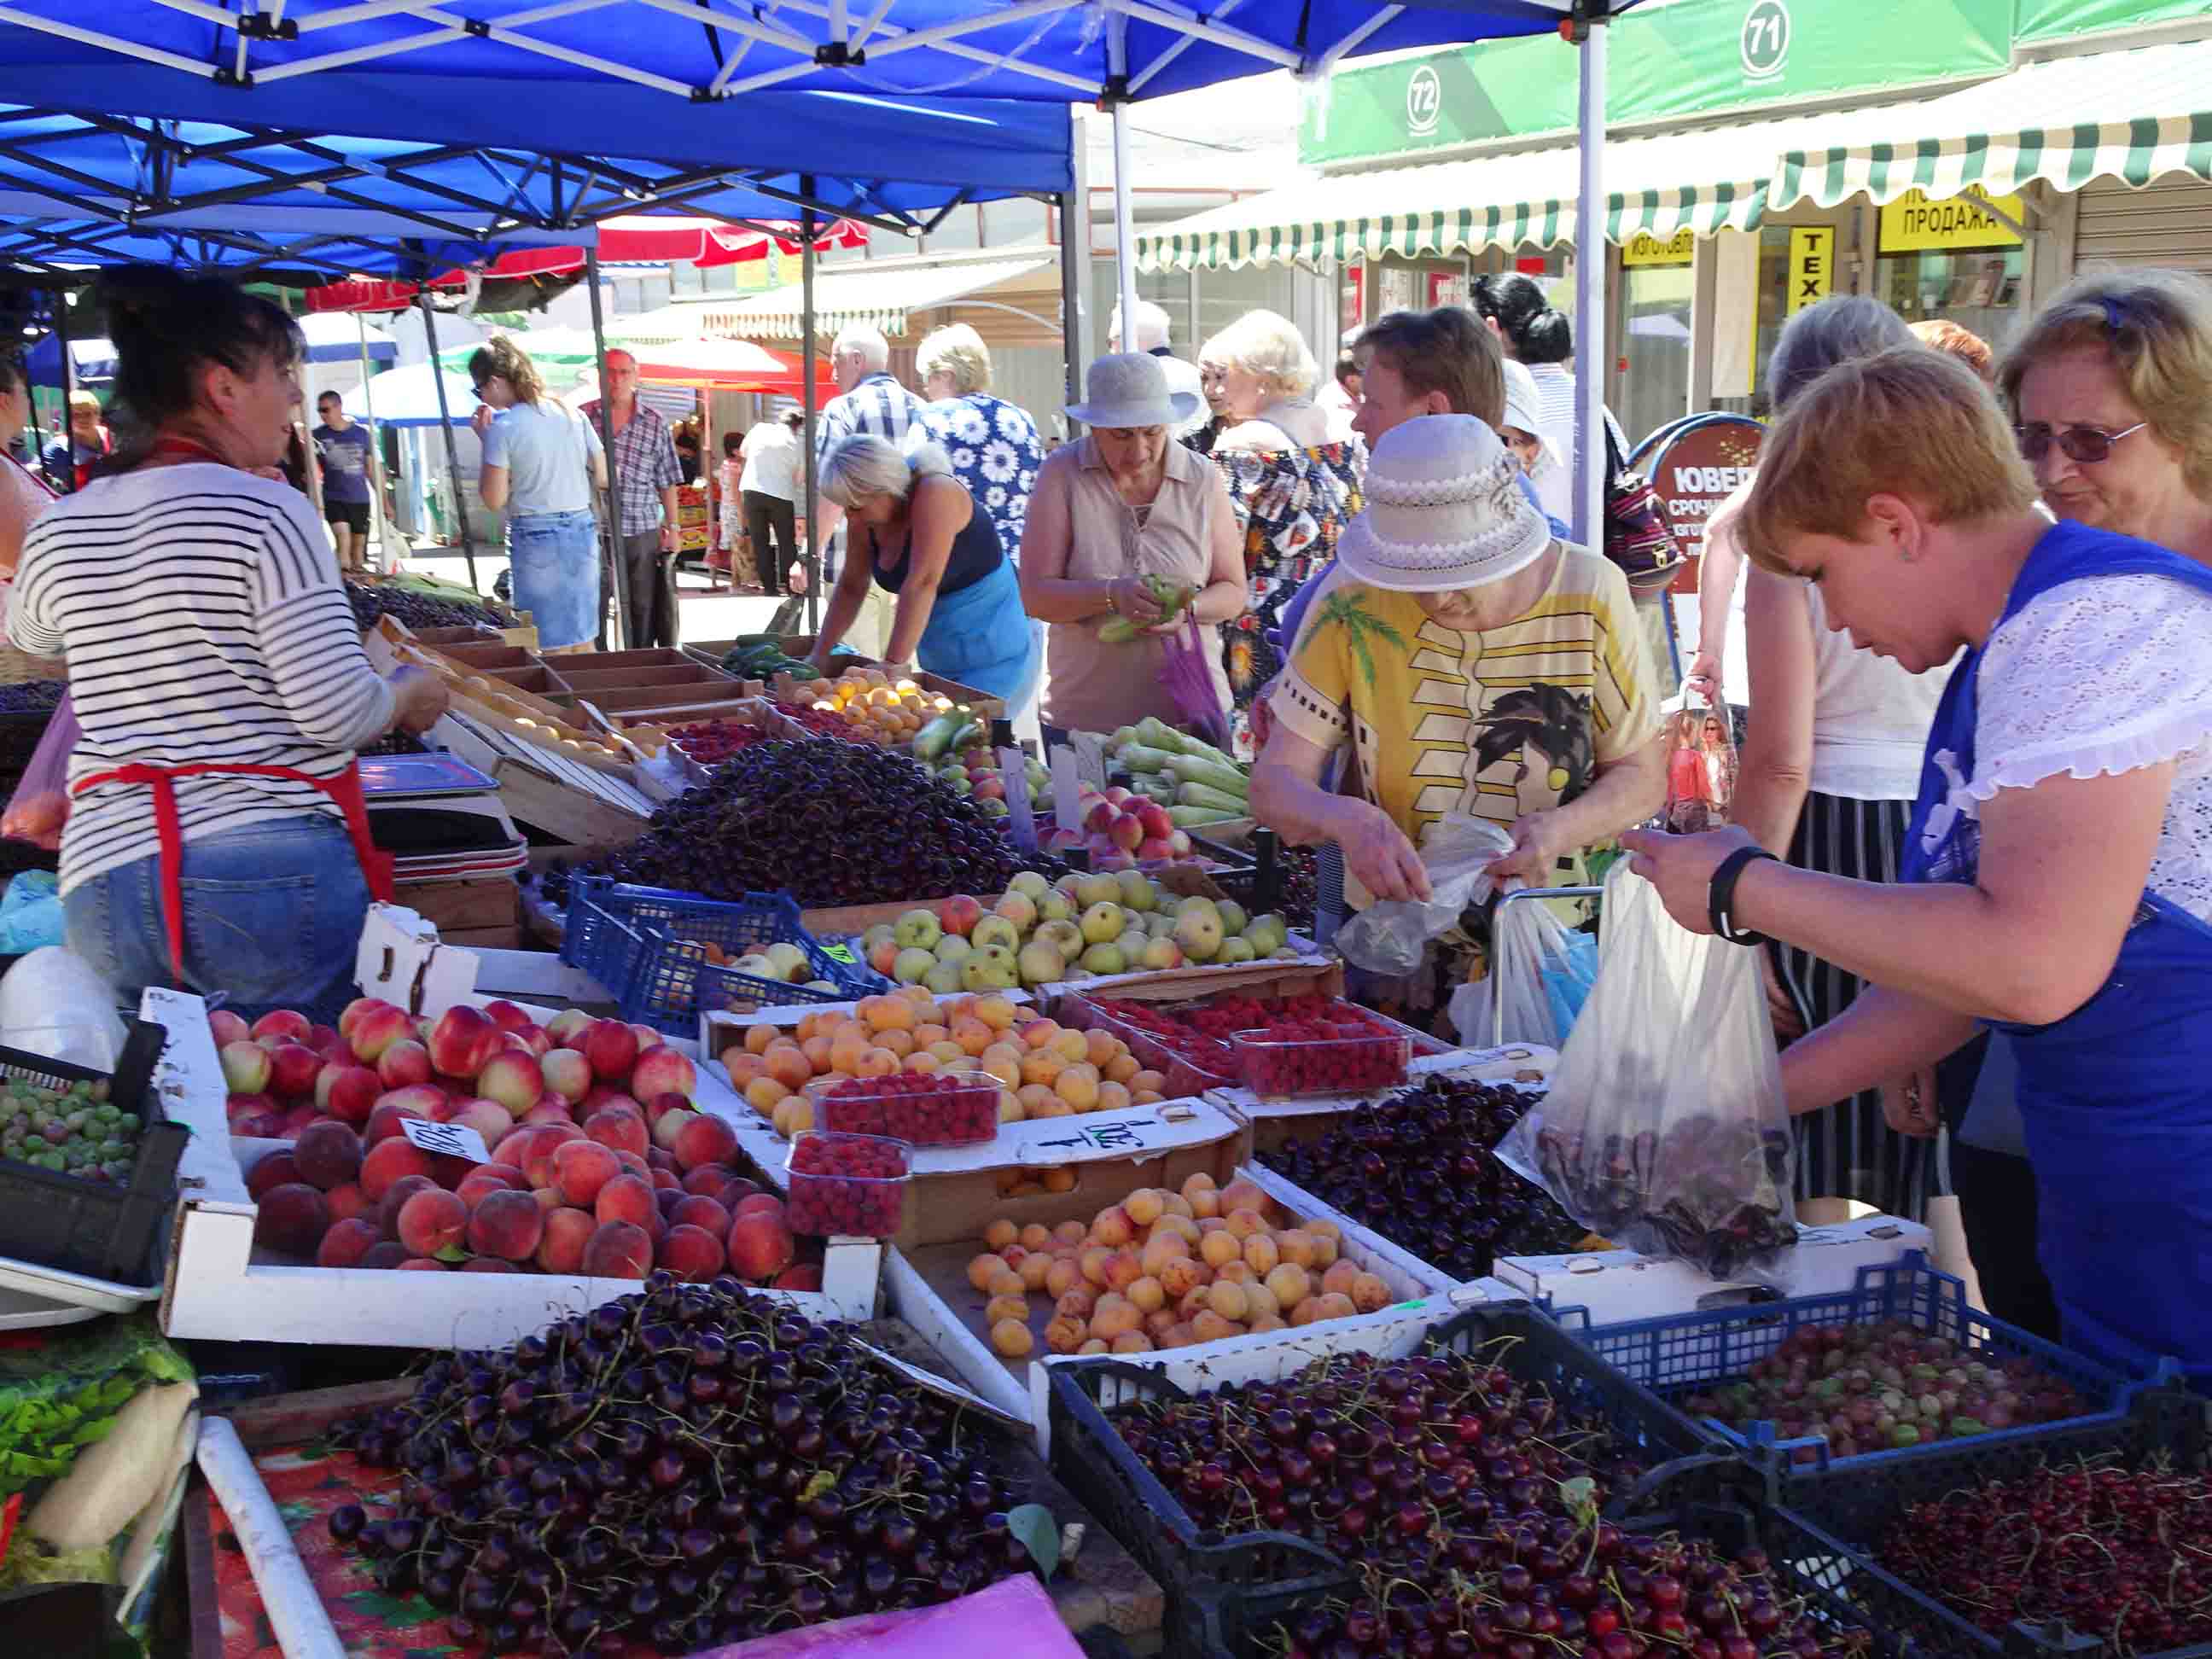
[{"x": 1720, "y": 896}]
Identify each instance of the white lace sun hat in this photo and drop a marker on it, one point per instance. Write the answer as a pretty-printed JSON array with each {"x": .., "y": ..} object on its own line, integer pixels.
[{"x": 1444, "y": 510}]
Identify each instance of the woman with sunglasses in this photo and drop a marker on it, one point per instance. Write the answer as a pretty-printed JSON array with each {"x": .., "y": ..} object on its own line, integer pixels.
[{"x": 2058, "y": 880}]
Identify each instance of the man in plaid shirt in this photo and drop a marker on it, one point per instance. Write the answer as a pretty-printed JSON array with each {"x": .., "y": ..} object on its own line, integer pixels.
[{"x": 646, "y": 474}]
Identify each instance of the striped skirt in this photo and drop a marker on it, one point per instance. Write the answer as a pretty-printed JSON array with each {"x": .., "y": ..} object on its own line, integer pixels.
[{"x": 1846, "y": 1150}]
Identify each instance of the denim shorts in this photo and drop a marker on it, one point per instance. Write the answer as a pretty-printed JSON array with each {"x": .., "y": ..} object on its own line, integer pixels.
[
  {"x": 555, "y": 557},
  {"x": 272, "y": 916}
]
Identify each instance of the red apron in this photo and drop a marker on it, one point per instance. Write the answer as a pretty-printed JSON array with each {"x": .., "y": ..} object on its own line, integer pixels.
[{"x": 345, "y": 789}]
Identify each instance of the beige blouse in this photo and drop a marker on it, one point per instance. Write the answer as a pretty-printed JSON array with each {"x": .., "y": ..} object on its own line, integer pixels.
[{"x": 1091, "y": 686}]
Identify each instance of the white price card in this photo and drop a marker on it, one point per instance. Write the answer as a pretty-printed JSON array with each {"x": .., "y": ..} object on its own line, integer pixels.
[{"x": 448, "y": 1140}]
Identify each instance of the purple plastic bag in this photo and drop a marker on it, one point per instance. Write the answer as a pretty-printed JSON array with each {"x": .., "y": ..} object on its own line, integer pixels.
[
  {"x": 1014, "y": 1616},
  {"x": 39, "y": 807},
  {"x": 1186, "y": 670}
]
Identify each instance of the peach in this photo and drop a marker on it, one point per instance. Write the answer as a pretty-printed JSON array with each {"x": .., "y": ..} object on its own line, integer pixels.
[
  {"x": 246, "y": 1067},
  {"x": 549, "y": 1199},
  {"x": 328, "y": 1153},
  {"x": 346, "y": 1243},
  {"x": 611, "y": 1048},
  {"x": 403, "y": 1065},
  {"x": 292, "y": 1069},
  {"x": 513, "y": 1078},
  {"x": 759, "y": 1204},
  {"x": 395, "y": 1198},
  {"x": 292, "y": 1217},
  {"x": 647, "y": 1038},
  {"x": 666, "y": 1070},
  {"x": 805, "y": 1276},
  {"x": 705, "y": 1140},
  {"x": 666, "y": 1180},
  {"x": 347, "y": 1091},
  {"x": 691, "y": 1253},
  {"x": 348, "y": 1202},
  {"x": 626, "y": 1198},
  {"x": 432, "y": 1221},
  {"x": 550, "y": 1138},
  {"x": 376, "y": 1030},
  {"x": 617, "y": 1249},
  {"x": 566, "y": 1074},
  {"x": 694, "y": 1211},
  {"x": 567, "y": 1024},
  {"x": 463, "y": 1043},
  {"x": 227, "y": 1028},
  {"x": 388, "y": 1160},
  {"x": 488, "y": 1178},
  {"x": 274, "y": 1171},
  {"x": 506, "y": 1223},
  {"x": 760, "y": 1246},
  {"x": 580, "y": 1169},
  {"x": 561, "y": 1244},
  {"x": 284, "y": 1023},
  {"x": 506, "y": 1015},
  {"x": 491, "y": 1120}
]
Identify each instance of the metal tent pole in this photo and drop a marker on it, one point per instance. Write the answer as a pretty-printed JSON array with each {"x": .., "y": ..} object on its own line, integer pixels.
[
  {"x": 1589, "y": 293},
  {"x": 67, "y": 481},
  {"x": 807, "y": 394},
  {"x": 445, "y": 426},
  {"x": 377, "y": 521},
  {"x": 1075, "y": 269},
  {"x": 1125, "y": 253},
  {"x": 618, "y": 556}
]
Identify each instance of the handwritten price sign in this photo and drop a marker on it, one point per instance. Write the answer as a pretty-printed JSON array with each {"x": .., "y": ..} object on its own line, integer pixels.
[{"x": 447, "y": 1139}]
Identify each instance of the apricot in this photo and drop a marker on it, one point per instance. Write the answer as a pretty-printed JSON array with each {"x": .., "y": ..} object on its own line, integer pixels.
[
  {"x": 1219, "y": 1249},
  {"x": 1211, "y": 1326},
  {"x": 1339, "y": 1276},
  {"x": 1064, "y": 1334},
  {"x": 1291, "y": 1283},
  {"x": 1227, "y": 1300},
  {"x": 1368, "y": 1293},
  {"x": 1000, "y": 1233},
  {"x": 1076, "y": 1302},
  {"x": 1059, "y": 1278},
  {"x": 1180, "y": 1276},
  {"x": 1006, "y": 1307},
  {"x": 1295, "y": 1245},
  {"x": 1112, "y": 1226},
  {"x": 1035, "y": 1237},
  {"x": 1011, "y": 1337}
]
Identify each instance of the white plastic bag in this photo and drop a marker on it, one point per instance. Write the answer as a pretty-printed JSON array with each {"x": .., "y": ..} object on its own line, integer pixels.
[
  {"x": 1542, "y": 968},
  {"x": 52, "y": 1003},
  {"x": 1389, "y": 936},
  {"x": 1664, "y": 1128}
]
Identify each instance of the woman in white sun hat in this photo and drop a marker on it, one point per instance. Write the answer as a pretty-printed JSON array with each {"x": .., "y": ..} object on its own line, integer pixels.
[
  {"x": 1123, "y": 503},
  {"x": 1477, "y": 664}
]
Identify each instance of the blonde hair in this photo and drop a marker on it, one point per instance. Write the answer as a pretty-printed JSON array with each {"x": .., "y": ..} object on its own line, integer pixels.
[
  {"x": 864, "y": 465},
  {"x": 501, "y": 357},
  {"x": 959, "y": 351},
  {"x": 80, "y": 402},
  {"x": 2156, "y": 327},
  {"x": 1268, "y": 345},
  {"x": 1908, "y": 421}
]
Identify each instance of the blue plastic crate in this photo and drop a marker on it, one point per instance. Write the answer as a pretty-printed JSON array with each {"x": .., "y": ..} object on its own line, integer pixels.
[
  {"x": 1685, "y": 1353},
  {"x": 644, "y": 944}
]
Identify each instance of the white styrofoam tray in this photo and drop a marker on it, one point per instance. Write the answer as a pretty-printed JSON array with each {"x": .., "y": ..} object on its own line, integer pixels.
[{"x": 218, "y": 1289}]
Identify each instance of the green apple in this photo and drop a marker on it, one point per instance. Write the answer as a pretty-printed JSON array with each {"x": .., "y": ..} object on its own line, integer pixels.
[
  {"x": 1268, "y": 932},
  {"x": 1039, "y": 962},
  {"x": 995, "y": 929},
  {"x": 1159, "y": 924},
  {"x": 1232, "y": 916},
  {"x": 1198, "y": 932},
  {"x": 791, "y": 964},
  {"x": 1160, "y": 954},
  {"x": 944, "y": 979},
  {"x": 1055, "y": 906},
  {"x": 1236, "y": 948},
  {"x": 1076, "y": 970},
  {"x": 953, "y": 949},
  {"x": 912, "y": 965},
  {"x": 881, "y": 933},
  {"x": 1105, "y": 958},
  {"x": 1137, "y": 892},
  {"x": 1030, "y": 883},
  {"x": 1133, "y": 942},
  {"x": 1101, "y": 921},
  {"x": 991, "y": 967},
  {"x": 1098, "y": 887},
  {"x": 1197, "y": 901},
  {"x": 917, "y": 930}
]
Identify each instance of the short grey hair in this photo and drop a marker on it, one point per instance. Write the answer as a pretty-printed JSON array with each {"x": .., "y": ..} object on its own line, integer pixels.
[
  {"x": 864, "y": 465},
  {"x": 1152, "y": 328},
  {"x": 1267, "y": 344},
  {"x": 1841, "y": 328},
  {"x": 957, "y": 350},
  {"x": 865, "y": 340}
]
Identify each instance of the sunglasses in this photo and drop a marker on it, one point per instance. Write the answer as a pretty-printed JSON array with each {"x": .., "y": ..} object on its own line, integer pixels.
[{"x": 2086, "y": 444}]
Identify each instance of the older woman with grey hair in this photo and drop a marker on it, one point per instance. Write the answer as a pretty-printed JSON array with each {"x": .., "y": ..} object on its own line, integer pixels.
[
  {"x": 993, "y": 447},
  {"x": 918, "y": 534}
]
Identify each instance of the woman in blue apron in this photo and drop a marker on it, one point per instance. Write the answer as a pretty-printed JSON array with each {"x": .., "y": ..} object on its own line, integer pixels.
[
  {"x": 2059, "y": 865},
  {"x": 917, "y": 533}
]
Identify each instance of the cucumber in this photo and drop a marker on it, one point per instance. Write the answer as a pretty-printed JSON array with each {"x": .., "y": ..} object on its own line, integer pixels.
[
  {"x": 935, "y": 737},
  {"x": 1117, "y": 630},
  {"x": 1139, "y": 758},
  {"x": 1189, "y": 769},
  {"x": 1197, "y": 817},
  {"x": 1198, "y": 794}
]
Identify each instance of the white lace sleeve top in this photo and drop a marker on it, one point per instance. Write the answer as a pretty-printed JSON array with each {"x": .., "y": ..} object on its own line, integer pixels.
[{"x": 2097, "y": 677}]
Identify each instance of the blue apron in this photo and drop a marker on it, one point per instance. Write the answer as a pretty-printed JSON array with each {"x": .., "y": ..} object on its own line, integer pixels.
[
  {"x": 981, "y": 636},
  {"x": 2116, "y": 1099}
]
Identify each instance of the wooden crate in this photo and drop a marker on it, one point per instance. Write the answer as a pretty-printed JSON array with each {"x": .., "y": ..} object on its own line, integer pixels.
[{"x": 464, "y": 904}]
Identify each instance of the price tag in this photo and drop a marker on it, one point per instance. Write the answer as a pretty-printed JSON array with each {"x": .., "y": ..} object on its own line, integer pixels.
[
  {"x": 1021, "y": 823},
  {"x": 841, "y": 952},
  {"x": 1115, "y": 1137},
  {"x": 1066, "y": 789},
  {"x": 448, "y": 1140}
]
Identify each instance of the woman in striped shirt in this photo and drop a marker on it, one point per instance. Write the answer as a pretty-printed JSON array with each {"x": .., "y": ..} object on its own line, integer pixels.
[{"x": 218, "y": 841}]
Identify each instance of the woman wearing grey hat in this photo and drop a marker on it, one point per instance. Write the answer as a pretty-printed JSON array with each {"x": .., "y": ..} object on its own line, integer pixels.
[{"x": 1123, "y": 503}]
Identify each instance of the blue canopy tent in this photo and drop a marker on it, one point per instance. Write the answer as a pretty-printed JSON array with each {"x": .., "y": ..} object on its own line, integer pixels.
[
  {"x": 709, "y": 79},
  {"x": 330, "y": 340}
]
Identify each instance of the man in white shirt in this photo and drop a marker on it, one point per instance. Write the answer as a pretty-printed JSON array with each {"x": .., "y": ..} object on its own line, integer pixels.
[
  {"x": 768, "y": 487},
  {"x": 1153, "y": 339},
  {"x": 869, "y": 401}
]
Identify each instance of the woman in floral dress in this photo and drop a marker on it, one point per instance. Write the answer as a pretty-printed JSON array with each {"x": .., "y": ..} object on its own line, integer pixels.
[
  {"x": 995, "y": 445},
  {"x": 1293, "y": 489}
]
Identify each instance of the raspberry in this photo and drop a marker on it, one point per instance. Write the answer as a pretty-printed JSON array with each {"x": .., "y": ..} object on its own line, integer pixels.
[
  {"x": 847, "y": 1185},
  {"x": 926, "y": 1109}
]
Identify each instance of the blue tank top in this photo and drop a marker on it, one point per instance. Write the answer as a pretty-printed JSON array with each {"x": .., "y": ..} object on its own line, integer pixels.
[{"x": 975, "y": 553}]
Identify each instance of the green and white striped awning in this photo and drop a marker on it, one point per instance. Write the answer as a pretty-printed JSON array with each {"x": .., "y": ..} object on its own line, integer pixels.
[
  {"x": 2133, "y": 116},
  {"x": 1716, "y": 179}
]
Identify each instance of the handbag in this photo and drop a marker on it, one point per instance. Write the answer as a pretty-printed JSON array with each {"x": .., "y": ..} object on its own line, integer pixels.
[{"x": 1636, "y": 537}]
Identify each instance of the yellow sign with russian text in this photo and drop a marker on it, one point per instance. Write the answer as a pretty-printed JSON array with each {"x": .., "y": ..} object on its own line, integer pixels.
[
  {"x": 1645, "y": 249},
  {"x": 1913, "y": 224},
  {"x": 1812, "y": 266}
]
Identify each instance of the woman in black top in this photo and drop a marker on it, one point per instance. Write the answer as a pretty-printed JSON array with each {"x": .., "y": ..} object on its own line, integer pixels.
[{"x": 918, "y": 534}]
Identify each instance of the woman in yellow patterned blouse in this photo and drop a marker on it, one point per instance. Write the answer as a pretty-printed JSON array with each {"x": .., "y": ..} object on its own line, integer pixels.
[{"x": 1475, "y": 664}]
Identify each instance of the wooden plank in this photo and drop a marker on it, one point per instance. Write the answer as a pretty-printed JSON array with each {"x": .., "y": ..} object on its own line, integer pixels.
[
  {"x": 572, "y": 816},
  {"x": 285, "y": 1419},
  {"x": 457, "y": 904}
]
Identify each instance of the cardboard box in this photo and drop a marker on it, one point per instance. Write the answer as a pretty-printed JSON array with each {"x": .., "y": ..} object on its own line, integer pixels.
[
  {"x": 220, "y": 1287},
  {"x": 1621, "y": 1284},
  {"x": 927, "y": 1277}
]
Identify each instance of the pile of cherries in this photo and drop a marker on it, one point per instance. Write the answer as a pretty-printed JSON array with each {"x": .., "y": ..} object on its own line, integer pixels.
[
  {"x": 1418, "y": 1169},
  {"x": 820, "y": 721},
  {"x": 2118, "y": 1553},
  {"x": 847, "y": 1185},
  {"x": 922, "y": 1108},
  {"x": 690, "y": 1466}
]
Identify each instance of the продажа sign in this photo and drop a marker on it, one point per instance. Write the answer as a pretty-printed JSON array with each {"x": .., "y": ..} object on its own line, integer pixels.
[{"x": 1913, "y": 224}]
